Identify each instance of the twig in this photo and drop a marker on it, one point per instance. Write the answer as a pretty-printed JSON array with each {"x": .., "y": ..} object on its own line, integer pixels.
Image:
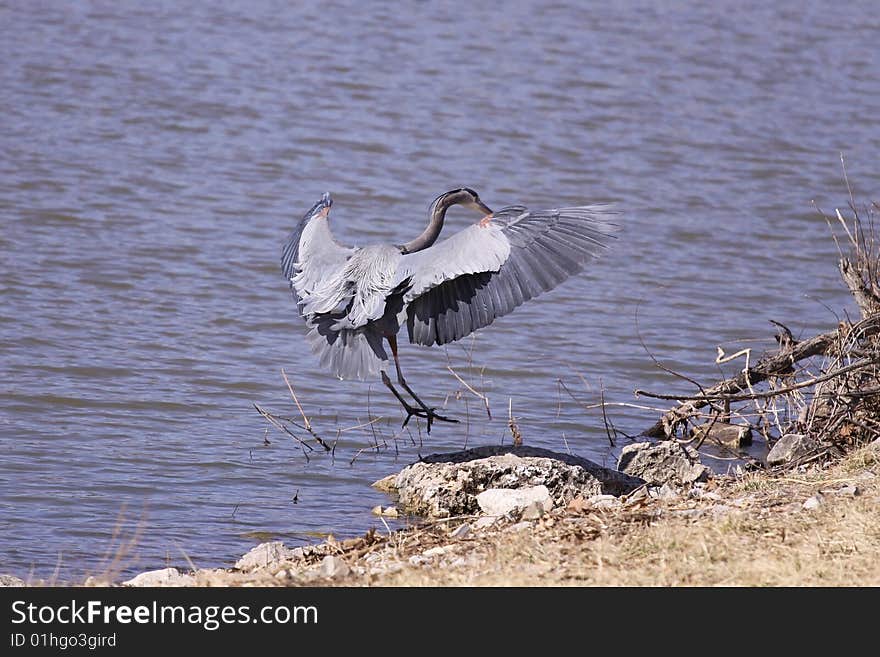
[
  {"x": 302, "y": 412},
  {"x": 481, "y": 396},
  {"x": 279, "y": 425},
  {"x": 770, "y": 393},
  {"x": 608, "y": 426}
]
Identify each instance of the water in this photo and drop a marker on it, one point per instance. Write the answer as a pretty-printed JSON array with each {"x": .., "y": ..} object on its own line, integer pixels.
[{"x": 153, "y": 159}]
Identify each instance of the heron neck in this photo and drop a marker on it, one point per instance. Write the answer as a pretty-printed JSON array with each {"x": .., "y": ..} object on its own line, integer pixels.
[{"x": 432, "y": 232}]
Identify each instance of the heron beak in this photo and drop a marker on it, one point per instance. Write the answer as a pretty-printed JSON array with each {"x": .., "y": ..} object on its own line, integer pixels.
[{"x": 479, "y": 206}]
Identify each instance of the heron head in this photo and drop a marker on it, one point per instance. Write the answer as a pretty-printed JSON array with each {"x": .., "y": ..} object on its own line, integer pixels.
[
  {"x": 322, "y": 207},
  {"x": 465, "y": 197}
]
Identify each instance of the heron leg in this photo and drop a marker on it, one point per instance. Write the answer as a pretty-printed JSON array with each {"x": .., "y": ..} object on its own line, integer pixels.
[
  {"x": 426, "y": 411},
  {"x": 410, "y": 410}
]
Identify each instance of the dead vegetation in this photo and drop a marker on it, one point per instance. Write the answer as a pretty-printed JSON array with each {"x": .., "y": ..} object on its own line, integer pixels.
[{"x": 826, "y": 386}]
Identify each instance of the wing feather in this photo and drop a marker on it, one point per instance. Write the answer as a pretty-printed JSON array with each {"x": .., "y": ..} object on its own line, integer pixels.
[{"x": 459, "y": 285}]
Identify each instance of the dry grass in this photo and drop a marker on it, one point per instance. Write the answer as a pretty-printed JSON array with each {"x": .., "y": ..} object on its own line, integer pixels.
[{"x": 757, "y": 534}]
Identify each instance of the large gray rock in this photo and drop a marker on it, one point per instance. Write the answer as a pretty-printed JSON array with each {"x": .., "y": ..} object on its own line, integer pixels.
[
  {"x": 668, "y": 462},
  {"x": 163, "y": 577},
  {"x": 501, "y": 501},
  {"x": 444, "y": 485},
  {"x": 266, "y": 555},
  {"x": 790, "y": 447}
]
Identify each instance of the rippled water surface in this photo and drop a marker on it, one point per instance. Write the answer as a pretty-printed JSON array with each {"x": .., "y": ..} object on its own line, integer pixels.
[{"x": 154, "y": 157}]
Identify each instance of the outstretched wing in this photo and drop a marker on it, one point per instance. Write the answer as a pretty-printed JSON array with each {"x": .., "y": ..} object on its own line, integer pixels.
[
  {"x": 467, "y": 281},
  {"x": 312, "y": 255}
]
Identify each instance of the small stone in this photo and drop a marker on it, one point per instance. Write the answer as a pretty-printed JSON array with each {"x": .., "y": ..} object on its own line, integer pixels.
[
  {"x": 162, "y": 577},
  {"x": 603, "y": 502},
  {"x": 520, "y": 526},
  {"x": 435, "y": 552},
  {"x": 485, "y": 522},
  {"x": 849, "y": 489},
  {"x": 701, "y": 494},
  {"x": 298, "y": 553},
  {"x": 11, "y": 581},
  {"x": 386, "y": 484},
  {"x": 93, "y": 580},
  {"x": 376, "y": 510},
  {"x": 501, "y": 501},
  {"x": 263, "y": 556},
  {"x": 418, "y": 560},
  {"x": 723, "y": 433},
  {"x": 812, "y": 503},
  {"x": 790, "y": 447},
  {"x": 332, "y": 566},
  {"x": 461, "y": 531},
  {"x": 390, "y": 511},
  {"x": 284, "y": 573},
  {"x": 533, "y": 511},
  {"x": 667, "y": 492}
]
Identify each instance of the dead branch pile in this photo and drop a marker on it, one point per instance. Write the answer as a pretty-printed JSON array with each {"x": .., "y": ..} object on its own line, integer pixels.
[{"x": 827, "y": 387}]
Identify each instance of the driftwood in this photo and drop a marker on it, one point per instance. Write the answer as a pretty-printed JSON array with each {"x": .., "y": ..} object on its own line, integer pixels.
[
  {"x": 844, "y": 400},
  {"x": 777, "y": 364}
]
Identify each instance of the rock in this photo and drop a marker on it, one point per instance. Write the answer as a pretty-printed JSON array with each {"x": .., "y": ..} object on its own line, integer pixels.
[
  {"x": 390, "y": 511},
  {"x": 603, "y": 502},
  {"x": 701, "y": 494},
  {"x": 386, "y": 484},
  {"x": 520, "y": 526},
  {"x": 436, "y": 551},
  {"x": 265, "y": 555},
  {"x": 664, "y": 492},
  {"x": 461, "y": 531},
  {"x": 163, "y": 577},
  {"x": 813, "y": 502},
  {"x": 723, "y": 433},
  {"x": 376, "y": 510},
  {"x": 485, "y": 521},
  {"x": 444, "y": 485},
  {"x": 790, "y": 447},
  {"x": 332, "y": 566},
  {"x": 418, "y": 560},
  {"x": 848, "y": 489},
  {"x": 93, "y": 580},
  {"x": 533, "y": 511},
  {"x": 501, "y": 501},
  {"x": 661, "y": 463},
  {"x": 11, "y": 581}
]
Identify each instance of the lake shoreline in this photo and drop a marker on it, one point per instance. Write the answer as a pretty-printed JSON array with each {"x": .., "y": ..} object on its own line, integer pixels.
[{"x": 811, "y": 525}]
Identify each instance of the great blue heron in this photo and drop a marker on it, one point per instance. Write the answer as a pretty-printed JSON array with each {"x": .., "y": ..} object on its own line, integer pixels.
[{"x": 354, "y": 298}]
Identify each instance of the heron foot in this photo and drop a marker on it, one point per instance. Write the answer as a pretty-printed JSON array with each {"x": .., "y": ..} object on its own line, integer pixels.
[{"x": 428, "y": 413}]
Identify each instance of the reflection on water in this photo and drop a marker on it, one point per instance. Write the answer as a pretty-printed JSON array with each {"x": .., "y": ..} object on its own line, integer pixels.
[{"x": 154, "y": 159}]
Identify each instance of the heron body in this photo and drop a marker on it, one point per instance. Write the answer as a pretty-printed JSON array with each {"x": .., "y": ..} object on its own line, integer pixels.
[{"x": 353, "y": 298}]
